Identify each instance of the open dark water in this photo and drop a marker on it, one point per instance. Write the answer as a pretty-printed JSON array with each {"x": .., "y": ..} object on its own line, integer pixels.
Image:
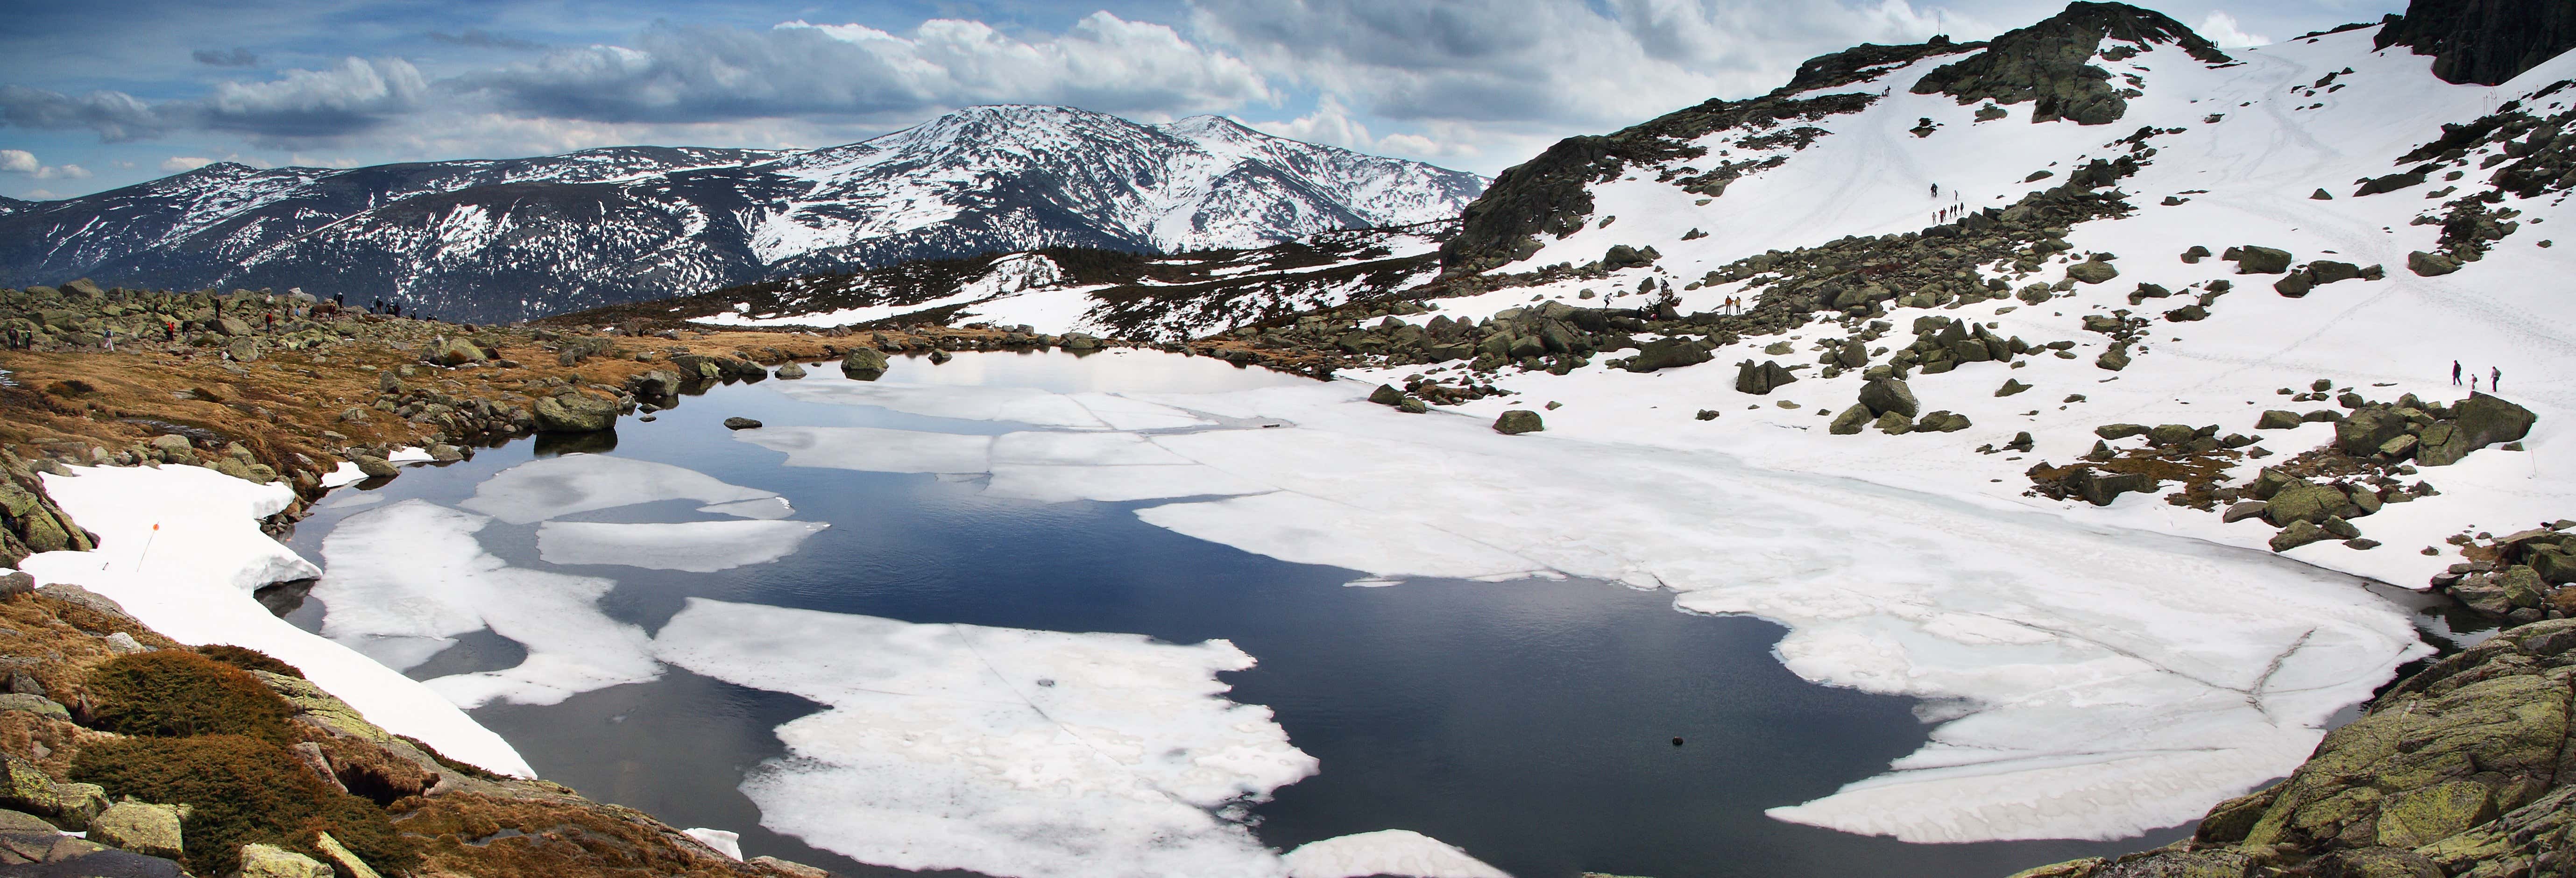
[{"x": 1528, "y": 722}]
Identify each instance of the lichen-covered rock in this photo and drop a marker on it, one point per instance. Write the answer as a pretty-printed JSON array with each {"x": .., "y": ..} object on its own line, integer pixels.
[
  {"x": 152, "y": 830},
  {"x": 1518, "y": 421},
  {"x": 270, "y": 861},
  {"x": 1885, "y": 395}
]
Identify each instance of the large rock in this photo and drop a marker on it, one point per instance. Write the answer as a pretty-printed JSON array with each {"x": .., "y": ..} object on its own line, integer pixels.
[
  {"x": 2251, "y": 259},
  {"x": 866, "y": 364},
  {"x": 2309, "y": 502},
  {"x": 575, "y": 413},
  {"x": 2431, "y": 264},
  {"x": 1851, "y": 420},
  {"x": 151, "y": 830},
  {"x": 2476, "y": 422},
  {"x": 2092, "y": 271},
  {"x": 455, "y": 352},
  {"x": 1761, "y": 379},
  {"x": 1884, "y": 395},
  {"x": 2484, "y": 42},
  {"x": 1518, "y": 421},
  {"x": 1662, "y": 354},
  {"x": 791, "y": 370}
]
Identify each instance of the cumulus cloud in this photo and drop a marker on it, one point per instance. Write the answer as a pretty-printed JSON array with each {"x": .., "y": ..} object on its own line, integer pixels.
[
  {"x": 181, "y": 163},
  {"x": 236, "y": 57},
  {"x": 2222, "y": 28},
  {"x": 1331, "y": 123},
  {"x": 687, "y": 74},
  {"x": 19, "y": 161},
  {"x": 483, "y": 39},
  {"x": 1549, "y": 63},
  {"x": 355, "y": 95}
]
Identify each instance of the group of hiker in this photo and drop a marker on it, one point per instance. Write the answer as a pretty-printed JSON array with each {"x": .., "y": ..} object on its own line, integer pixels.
[
  {"x": 1958, "y": 207},
  {"x": 2494, "y": 376}
]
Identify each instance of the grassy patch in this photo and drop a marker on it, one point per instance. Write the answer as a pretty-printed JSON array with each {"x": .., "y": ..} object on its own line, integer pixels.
[{"x": 241, "y": 790}]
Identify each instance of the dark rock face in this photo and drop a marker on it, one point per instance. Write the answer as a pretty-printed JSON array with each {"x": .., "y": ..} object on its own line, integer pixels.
[
  {"x": 1548, "y": 194},
  {"x": 2483, "y": 41},
  {"x": 1854, "y": 64},
  {"x": 2049, "y": 63}
]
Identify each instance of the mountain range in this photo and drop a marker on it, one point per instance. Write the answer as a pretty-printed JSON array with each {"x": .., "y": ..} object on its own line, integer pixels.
[{"x": 496, "y": 240}]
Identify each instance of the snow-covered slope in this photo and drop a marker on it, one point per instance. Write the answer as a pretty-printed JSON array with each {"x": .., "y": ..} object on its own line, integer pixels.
[
  {"x": 1055, "y": 291},
  {"x": 493, "y": 240}
]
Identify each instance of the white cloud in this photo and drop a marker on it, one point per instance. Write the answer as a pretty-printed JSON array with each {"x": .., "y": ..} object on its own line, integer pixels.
[
  {"x": 182, "y": 163},
  {"x": 2222, "y": 28},
  {"x": 701, "y": 74},
  {"x": 19, "y": 161}
]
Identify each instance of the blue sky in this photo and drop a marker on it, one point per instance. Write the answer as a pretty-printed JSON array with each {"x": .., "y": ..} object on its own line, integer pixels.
[{"x": 97, "y": 95}]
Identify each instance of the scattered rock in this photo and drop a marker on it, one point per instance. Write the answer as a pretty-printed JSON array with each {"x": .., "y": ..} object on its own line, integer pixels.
[
  {"x": 791, "y": 370},
  {"x": 1518, "y": 421},
  {"x": 2092, "y": 271},
  {"x": 2431, "y": 264},
  {"x": 2251, "y": 259},
  {"x": 1761, "y": 379},
  {"x": 869, "y": 364},
  {"x": 739, "y": 423},
  {"x": 575, "y": 413},
  {"x": 1886, "y": 395},
  {"x": 2298, "y": 534}
]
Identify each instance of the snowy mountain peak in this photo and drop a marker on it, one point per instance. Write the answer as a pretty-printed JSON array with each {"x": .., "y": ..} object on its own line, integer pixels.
[{"x": 499, "y": 239}]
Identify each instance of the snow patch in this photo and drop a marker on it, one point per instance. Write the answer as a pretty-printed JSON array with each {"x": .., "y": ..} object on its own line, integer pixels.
[{"x": 1385, "y": 852}]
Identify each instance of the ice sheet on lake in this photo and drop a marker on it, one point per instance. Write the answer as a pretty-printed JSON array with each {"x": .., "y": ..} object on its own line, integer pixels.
[
  {"x": 1385, "y": 852},
  {"x": 1311, "y": 530},
  {"x": 695, "y": 546},
  {"x": 1123, "y": 413},
  {"x": 765, "y": 508},
  {"x": 969, "y": 402},
  {"x": 559, "y": 486},
  {"x": 180, "y": 548},
  {"x": 1060, "y": 484},
  {"x": 873, "y": 449},
  {"x": 2113, "y": 682},
  {"x": 1004, "y": 751},
  {"x": 404, "y": 580}
]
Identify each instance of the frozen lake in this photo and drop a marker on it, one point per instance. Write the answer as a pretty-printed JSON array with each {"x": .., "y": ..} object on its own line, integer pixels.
[{"x": 974, "y": 635}]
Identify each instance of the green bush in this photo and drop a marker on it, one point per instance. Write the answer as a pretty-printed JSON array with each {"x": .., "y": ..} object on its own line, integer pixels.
[
  {"x": 173, "y": 693},
  {"x": 241, "y": 790},
  {"x": 249, "y": 659}
]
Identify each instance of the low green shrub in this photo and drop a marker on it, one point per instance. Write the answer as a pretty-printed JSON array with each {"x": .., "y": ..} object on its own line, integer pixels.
[{"x": 174, "y": 693}]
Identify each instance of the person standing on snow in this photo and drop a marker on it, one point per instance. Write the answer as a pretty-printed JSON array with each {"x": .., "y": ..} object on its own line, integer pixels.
[
  {"x": 2455, "y": 373},
  {"x": 2495, "y": 379}
]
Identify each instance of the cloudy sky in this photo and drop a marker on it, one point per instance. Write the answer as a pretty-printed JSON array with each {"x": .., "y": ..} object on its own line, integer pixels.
[{"x": 96, "y": 95}]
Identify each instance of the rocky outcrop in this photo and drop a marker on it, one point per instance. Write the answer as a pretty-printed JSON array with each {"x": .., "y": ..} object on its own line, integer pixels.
[
  {"x": 2048, "y": 64},
  {"x": 2482, "y": 41},
  {"x": 2457, "y": 771}
]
